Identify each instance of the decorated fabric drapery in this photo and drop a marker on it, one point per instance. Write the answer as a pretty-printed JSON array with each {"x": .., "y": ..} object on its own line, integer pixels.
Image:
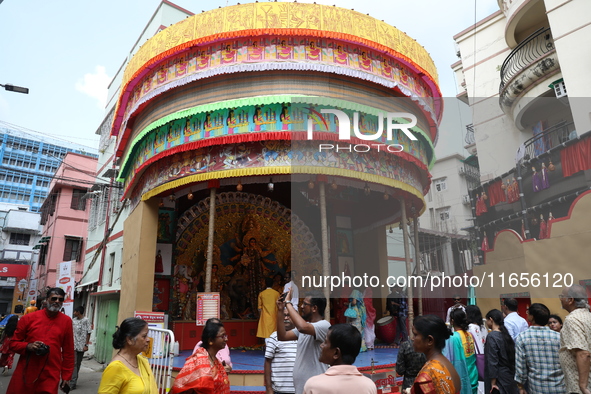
[
  {"x": 576, "y": 157},
  {"x": 496, "y": 194}
]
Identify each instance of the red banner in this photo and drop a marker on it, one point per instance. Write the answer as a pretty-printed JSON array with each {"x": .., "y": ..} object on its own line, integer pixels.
[{"x": 14, "y": 270}]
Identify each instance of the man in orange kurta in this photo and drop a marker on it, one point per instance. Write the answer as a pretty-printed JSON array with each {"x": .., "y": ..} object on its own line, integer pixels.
[
  {"x": 267, "y": 304},
  {"x": 40, "y": 373},
  {"x": 32, "y": 308}
]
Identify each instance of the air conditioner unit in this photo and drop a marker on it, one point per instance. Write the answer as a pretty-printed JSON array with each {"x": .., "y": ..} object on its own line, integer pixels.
[
  {"x": 466, "y": 199},
  {"x": 559, "y": 89}
]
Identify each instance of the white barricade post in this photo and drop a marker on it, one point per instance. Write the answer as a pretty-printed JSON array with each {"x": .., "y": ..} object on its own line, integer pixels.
[{"x": 162, "y": 357}]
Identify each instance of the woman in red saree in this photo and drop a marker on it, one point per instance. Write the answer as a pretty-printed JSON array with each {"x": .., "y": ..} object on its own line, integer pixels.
[
  {"x": 438, "y": 376},
  {"x": 203, "y": 373}
]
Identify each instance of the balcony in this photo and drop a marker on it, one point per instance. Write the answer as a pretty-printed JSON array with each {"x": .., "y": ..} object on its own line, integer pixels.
[
  {"x": 470, "y": 140},
  {"x": 531, "y": 62},
  {"x": 521, "y": 16},
  {"x": 549, "y": 139}
]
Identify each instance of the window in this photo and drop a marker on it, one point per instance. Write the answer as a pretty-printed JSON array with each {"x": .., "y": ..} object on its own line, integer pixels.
[
  {"x": 19, "y": 239},
  {"x": 440, "y": 184},
  {"x": 72, "y": 249},
  {"x": 78, "y": 202},
  {"x": 443, "y": 214},
  {"x": 109, "y": 272}
]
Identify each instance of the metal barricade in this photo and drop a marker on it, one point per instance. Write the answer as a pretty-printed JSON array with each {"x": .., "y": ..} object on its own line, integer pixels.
[{"x": 162, "y": 357}]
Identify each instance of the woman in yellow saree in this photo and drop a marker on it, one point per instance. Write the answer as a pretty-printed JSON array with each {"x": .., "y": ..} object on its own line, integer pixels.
[{"x": 129, "y": 372}]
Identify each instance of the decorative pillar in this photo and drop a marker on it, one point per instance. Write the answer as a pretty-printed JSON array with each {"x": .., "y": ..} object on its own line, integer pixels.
[
  {"x": 212, "y": 191},
  {"x": 409, "y": 294}
]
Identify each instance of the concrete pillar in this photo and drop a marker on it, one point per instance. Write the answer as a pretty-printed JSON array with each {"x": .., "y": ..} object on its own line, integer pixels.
[{"x": 138, "y": 263}]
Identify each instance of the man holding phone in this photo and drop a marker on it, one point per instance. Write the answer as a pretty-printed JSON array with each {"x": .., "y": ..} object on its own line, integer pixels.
[{"x": 310, "y": 331}]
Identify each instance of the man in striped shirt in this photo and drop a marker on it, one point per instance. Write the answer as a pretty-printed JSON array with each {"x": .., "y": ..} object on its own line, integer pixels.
[
  {"x": 536, "y": 355},
  {"x": 279, "y": 361}
]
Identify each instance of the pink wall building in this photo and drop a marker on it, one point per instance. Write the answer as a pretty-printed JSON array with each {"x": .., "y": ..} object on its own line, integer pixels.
[{"x": 64, "y": 215}]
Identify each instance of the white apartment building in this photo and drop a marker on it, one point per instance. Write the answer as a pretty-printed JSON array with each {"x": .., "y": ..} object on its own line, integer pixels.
[
  {"x": 448, "y": 202},
  {"x": 524, "y": 71},
  {"x": 520, "y": 67},
  {"x": 101, "y": 283}
]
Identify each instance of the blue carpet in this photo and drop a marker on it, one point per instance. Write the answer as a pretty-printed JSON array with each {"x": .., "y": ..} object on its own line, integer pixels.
[{"x": 253, "y": 360}]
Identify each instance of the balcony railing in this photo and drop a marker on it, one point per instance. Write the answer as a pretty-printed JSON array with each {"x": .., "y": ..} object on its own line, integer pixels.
[
  {"x": 469, "y": 139},
  {"x": 550, "y": 138},
  {"x": 529, "y": 50}
]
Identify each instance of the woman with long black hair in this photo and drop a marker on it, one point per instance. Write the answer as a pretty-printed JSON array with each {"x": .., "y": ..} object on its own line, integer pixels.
[
  {"x": 499, "y": 356},
  {"x": 460, "y": 349}
]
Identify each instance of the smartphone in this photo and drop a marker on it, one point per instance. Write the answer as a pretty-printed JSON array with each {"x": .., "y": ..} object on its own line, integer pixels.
[{"x": 282, "y": 297}]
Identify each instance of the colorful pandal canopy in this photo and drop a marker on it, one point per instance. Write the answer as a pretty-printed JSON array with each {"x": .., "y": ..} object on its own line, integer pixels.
[
  {"x": 372, "y": 46},
  {"x": 227, "y": 134}
]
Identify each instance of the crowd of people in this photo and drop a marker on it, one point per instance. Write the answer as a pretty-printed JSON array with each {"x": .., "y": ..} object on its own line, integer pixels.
[
  {"x": 507, "y": 354},
  {"x": 500, "y": 353}
]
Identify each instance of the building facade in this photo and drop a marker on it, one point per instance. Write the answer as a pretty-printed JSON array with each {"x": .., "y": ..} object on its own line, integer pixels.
[
  {"x": 64, "y": 216},
  {"x": 27, "y": 164},
  {"x": 21, "y": 230},
  {"x": 524, "y": 72},
  {"x": 227, "y": 141},
  {"x": 100, "y": 286}
]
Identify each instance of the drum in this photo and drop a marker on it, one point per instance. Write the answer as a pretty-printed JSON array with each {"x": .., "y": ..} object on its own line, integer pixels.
[{"x": 386, "y": 329}]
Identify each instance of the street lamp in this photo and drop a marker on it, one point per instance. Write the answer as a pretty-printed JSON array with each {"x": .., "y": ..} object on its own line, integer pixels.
[{"x": 18, "y": 89}]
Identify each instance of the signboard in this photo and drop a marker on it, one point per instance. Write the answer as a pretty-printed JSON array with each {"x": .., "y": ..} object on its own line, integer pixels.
[
  {"x": 208, "y": 306},
  {"x": 32, "y": 293},
  {"x": 14, "y": 270},
  {"x": 65, "y": 281},
  {"x": 156, "y": 348}
]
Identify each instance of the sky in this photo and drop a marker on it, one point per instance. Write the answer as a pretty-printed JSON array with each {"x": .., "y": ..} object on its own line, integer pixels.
[{"x": 67, "y": 52}]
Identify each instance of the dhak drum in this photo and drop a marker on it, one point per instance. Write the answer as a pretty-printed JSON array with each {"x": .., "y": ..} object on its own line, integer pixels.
[{"x": 386, "y": 329}]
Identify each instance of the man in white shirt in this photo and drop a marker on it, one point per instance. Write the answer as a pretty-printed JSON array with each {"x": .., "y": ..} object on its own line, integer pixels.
[
  {"x": 457, "y": 304},
  {"x": 290, "y": 278},
  {"x": 514, "y": 323}
]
